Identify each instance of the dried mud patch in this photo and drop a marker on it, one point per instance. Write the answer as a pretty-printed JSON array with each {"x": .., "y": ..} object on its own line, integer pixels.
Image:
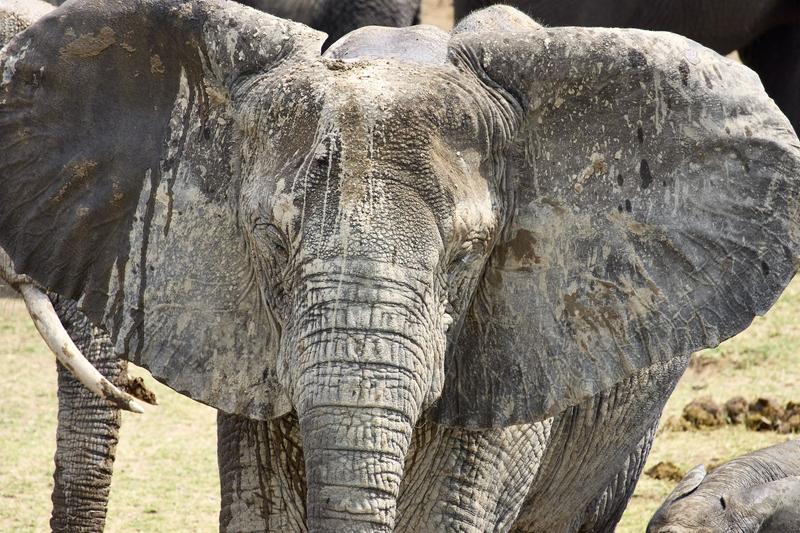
[
  {"x": 761, "y": 414},
  {"x": 665, "y": 471}
]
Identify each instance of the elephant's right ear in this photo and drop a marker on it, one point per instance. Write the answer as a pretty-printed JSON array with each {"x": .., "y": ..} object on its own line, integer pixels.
[
  {"x": 652, "y": 210},
  {"x": 119, "y": 180}
]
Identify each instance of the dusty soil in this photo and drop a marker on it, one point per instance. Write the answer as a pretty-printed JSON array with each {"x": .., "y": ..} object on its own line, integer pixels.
[
  {"x": 665, "y": 470},
  {"x": 438, "y": 13}
]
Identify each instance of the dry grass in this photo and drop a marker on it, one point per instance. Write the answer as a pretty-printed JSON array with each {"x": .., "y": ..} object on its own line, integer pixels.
[{"x": 165, "y": 476}]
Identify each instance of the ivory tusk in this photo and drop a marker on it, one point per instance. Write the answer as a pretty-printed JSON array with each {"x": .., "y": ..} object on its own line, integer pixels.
[{"x": 58, "y": 340}]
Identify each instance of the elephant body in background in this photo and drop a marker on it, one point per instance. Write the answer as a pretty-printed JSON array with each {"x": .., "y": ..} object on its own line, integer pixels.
[
  {"x": 339, "y": 17},
  {"x": 437, "y": 281},
  {"x": 766, "y": 33},
  {"x": 755, "y": 493}
]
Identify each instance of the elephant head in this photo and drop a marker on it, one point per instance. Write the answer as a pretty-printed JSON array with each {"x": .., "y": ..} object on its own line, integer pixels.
[
  {"x": 757, "y": 492},
  {"x": 485, "y": 227}
]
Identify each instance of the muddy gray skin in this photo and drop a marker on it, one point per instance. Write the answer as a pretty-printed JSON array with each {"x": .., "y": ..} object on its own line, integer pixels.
[
  {"x": 339, "y": 17},
  {"x": 88, "y": 427},
  {"x": 755, "y": 493},
  {"x": 766, "y": 33},
  {"x": 458, "y": 274}
]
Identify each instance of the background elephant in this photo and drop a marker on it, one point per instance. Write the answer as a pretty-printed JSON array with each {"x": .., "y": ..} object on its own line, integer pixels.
[
  {"x": 756, "y": 493},
  {"x": 456, "y": 275},
  {"x": 339, "y": 17},
  {"x": 766, "y": 33},
  {"x": 88, "y": 426}
]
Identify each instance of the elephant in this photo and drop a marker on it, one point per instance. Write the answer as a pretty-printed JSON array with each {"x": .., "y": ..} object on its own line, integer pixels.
[
  {"x": 435, "y": 281},
  {"x": 88, "y": 425},
  {"x": 339, "y": 17},
  {"x": 766, "y": 33},
  {"x": 755, "y": 493}
]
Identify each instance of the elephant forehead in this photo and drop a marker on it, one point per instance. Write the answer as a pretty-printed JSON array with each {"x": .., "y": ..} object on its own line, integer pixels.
[
  {"x": 361, "y": 142},
  {"x": 365, "y": 115}
]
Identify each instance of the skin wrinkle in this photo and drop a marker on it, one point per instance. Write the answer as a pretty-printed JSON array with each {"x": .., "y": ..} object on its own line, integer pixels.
[{"x": 87, "y": 433}]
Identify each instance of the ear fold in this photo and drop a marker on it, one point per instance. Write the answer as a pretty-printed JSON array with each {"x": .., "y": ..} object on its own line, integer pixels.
[
  {"x": 118, "y": 182},
  {"x": 685, "y": 487},
  {"x": 688, "y": 484},
  {"x": 653, "y": 212}
]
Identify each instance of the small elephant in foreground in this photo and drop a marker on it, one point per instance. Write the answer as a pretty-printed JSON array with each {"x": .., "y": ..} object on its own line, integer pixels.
[
  {"x": 755, "y": 493},
  {"x": 766, "y": 33},
  {"x": 446, "y": 280}
]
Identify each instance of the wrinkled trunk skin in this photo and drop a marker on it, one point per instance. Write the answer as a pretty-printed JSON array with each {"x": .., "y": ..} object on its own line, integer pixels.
[
  {"x": 88, "y": 431},
  {"x": 366, "y": 366},
  {"x": 354, "y": 465},
  {"x": 262, "y": 475}
]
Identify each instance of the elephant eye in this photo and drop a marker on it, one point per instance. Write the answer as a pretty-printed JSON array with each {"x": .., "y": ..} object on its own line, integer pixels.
[
  {"x": 271, "y": 240},
  {"x": 722, "y": 502},
  {"x": 470, "y": 250}
]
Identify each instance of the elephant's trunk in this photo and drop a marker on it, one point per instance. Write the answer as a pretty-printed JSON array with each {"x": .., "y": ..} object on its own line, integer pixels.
[
  {"x": 354, "y": 464},
  {"x": 369, "y": 361}
]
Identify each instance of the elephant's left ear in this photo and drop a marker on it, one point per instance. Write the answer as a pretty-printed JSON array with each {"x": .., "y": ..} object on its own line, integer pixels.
[
  {"x": 120, "y": 149},
  {"x": 653, "y": 212}
]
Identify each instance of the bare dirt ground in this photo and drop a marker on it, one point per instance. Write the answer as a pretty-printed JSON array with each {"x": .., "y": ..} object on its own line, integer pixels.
[{"x": 438, "y": 13}]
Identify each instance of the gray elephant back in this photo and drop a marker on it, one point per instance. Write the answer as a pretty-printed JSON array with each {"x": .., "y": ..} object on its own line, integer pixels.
[{"x": 419, "y": 44}]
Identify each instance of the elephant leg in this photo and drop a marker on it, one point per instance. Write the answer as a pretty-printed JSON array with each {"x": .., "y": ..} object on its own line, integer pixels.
[
  {"x": 88, "y": 430},
  {"x": 470, "y": 481},
  {"x": 606, "y": 510},
  {"x": 595, "y": 453},
  {"x": 262, "y": 475},
  {"x": 775, "y": 56}
]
